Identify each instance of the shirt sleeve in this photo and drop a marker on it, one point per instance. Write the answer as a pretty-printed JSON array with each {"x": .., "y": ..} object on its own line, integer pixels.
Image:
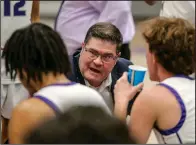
[
  {"x": 118, "y": 13},
  {"x": 112, "y": 10}
]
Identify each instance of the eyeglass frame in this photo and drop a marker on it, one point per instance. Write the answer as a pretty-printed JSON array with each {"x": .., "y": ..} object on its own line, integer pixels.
[{"x": 98, "y": 54}]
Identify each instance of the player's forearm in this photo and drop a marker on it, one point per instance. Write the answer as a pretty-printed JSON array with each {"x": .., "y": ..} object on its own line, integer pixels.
[
  {"x": 35, "y": 12},
  {"x": 4, "y": 131},
  {"x": 120, "y": 112}
]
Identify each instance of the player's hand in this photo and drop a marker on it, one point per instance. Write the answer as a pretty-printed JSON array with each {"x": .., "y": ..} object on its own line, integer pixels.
[{"x": 124, "y": 91}]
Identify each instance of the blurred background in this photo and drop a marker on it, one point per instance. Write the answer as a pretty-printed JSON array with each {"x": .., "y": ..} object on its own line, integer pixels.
[{"x": 140, "y": 9}]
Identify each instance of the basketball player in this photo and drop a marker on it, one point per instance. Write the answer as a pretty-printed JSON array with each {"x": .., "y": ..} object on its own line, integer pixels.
[
  {"x": 97, "y": 127},
  {"x": 169, "y": 107},
  {"x": 177, "y": 9},
  {"x": 14, "y": 14},
  {"x": 37, "y": 55}
]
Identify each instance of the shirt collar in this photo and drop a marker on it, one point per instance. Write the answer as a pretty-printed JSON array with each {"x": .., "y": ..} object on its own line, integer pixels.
[{"x": 106, "y": 83}]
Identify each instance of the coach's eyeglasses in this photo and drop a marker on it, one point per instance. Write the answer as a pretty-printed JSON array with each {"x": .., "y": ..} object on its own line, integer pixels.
[{"x": 106, "y": 58}]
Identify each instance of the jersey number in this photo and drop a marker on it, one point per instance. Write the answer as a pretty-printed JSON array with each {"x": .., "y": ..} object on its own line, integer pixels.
[{"x": 17, "y": 6}]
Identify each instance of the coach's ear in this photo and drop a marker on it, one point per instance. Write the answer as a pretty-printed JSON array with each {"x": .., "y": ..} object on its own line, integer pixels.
[
  {"x": 35, "y": 14},
  {"x": 83, "y": 44}
]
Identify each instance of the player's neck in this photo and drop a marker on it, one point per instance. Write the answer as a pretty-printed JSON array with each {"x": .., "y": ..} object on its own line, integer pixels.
[
  {"x": 50, "y": 79},
  {"x": 164, "y": 74}
]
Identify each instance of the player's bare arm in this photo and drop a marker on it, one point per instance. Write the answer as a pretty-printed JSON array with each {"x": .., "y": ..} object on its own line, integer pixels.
[
  {"x": 27, "y": 116},
  {"x": 143, "y": 117},
  {"x": 35, "y": 12},
  {"x": 4, "y": 130},
  {"x": 123, "y": 93},
  {"x": 150, "y": 109}
]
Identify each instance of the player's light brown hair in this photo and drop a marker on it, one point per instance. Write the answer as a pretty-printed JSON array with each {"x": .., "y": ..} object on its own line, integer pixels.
[{"x": 172, "y": 40}]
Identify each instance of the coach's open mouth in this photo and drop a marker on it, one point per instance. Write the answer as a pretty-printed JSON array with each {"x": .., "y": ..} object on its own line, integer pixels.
[{"x": 95, "y": 70}]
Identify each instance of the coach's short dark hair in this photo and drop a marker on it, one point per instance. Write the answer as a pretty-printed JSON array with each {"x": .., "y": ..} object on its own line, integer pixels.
[
  {"x": 36, "y": 49},
  {"x": 81, "y": 125},
  {"x": 105, "y": 31}
]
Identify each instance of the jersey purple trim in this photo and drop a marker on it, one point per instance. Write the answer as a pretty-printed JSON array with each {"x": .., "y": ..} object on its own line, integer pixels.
[
  {"x": 184, "y": 76},
  {"x": 183, "y": 113},
  {"x": 49, "y": 103},
  {"x": 63, "y": 84}
]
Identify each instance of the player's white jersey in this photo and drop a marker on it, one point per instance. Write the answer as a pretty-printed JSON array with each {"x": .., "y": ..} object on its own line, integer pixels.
[
  {"x": 179, "y": 9},
  {"x": 183, "y": 88},
  {"x": 14, "y": 15},
  {"x": 61, "y": 97}
]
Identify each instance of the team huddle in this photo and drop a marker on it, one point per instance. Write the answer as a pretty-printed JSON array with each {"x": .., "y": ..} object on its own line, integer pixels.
[{"x": 52, "y": 92}]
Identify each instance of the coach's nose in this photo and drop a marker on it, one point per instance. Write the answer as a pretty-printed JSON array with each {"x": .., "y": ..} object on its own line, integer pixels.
[{"x": 98, "y": 61}]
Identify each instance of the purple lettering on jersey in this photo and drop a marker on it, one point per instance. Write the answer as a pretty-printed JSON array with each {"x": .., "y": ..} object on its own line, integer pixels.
[
  {"x": 17, "y": 6},
  {"x": 7, "y": 8}
]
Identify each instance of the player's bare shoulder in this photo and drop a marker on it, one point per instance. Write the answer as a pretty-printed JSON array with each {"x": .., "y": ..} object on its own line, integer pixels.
[{"x": 158, "y": 96}]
